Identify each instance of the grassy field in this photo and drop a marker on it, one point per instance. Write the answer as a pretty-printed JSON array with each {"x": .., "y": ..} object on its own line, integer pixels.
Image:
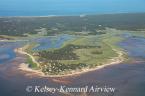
[
  {"x": 31, "y": 63},
  {"x": 91, "y": 56}
]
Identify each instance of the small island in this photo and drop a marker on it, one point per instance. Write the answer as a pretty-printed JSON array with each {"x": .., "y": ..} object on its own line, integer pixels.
[{"x": 75, "y": 55}]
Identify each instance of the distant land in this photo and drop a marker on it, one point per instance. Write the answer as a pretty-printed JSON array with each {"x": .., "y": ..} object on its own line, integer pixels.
[{"x": 19, "y": 26}]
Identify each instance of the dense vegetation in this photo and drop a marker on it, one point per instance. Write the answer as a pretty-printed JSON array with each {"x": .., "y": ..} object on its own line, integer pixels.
[
  {"x": 18, "y": 26},
  {"x": 65, "y": 53},
  {"x": 55, "y": 68},
  {"x": 51, "y": 59}
]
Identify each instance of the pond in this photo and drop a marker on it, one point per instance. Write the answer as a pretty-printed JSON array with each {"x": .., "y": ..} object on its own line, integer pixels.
[{"x": 45, "y": 43}]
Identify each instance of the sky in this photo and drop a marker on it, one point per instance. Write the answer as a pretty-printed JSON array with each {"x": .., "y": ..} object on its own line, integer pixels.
[{"x": 69, "y": 7}]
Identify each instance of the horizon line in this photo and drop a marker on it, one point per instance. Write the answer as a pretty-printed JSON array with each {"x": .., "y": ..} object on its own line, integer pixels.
[{"x": 81, "y": 15}]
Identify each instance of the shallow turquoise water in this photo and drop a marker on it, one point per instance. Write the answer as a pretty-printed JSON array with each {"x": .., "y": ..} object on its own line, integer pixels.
[{"x": 68, "y": 7}]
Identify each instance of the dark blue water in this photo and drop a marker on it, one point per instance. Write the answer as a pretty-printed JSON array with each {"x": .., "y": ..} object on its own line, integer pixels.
[
  {"x": 68, "y": 7},
  {"x": 51, "y": 42}
]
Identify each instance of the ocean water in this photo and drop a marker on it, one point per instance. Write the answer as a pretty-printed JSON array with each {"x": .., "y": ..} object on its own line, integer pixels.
[{"x": 68, "y": 7}]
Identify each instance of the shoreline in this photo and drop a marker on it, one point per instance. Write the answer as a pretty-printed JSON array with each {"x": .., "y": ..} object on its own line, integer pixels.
[
  {"x": 20, "y": 50},
  {"x": 24, "y": 66}
]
